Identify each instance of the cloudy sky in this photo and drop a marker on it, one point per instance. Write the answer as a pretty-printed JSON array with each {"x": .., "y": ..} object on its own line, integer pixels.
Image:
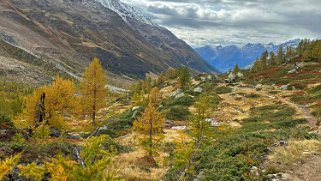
[{"x": 212, "y": 22}]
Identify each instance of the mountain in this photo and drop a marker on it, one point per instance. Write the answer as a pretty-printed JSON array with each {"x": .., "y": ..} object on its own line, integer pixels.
[
  {"x": 63, "y": 35},
  {"x": 225, "y": 58}
]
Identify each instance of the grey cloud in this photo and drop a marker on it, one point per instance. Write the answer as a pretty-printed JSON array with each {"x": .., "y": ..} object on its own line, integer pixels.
[{"x": 235, "y": 21}]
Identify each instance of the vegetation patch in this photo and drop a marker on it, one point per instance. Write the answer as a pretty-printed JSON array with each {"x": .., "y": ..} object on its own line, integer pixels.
[
  {"x": 296, "y": 150},
  {"x": 223, "y": 90}
]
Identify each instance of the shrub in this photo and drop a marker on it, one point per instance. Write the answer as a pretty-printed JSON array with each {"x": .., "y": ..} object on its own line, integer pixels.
[
  {"x": 223, "y": 90},
  {"x": 183, "y": 101},
  {"x": 178, "y": 113},
  {"x": 232, "y": 155},
  {"x": 5, "y": 122},
  {"x": 252, "y": 95},
  {"x": 298, "y": 85}
]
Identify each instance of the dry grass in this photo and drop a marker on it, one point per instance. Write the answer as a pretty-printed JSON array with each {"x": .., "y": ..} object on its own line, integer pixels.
[
  {"x": 295, "y": 151},
  {"x": 128, "y": 161},
  {"x": 234, "y": 106}
]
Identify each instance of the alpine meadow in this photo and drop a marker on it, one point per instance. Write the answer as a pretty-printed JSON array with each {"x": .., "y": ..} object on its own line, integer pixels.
[{"x": 128, "y": 90}]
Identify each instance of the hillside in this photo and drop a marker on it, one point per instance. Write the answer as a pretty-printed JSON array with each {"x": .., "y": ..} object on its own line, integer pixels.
[
  {"x": 67, "y": 34},
  {"x": 225, "y": 58},
  {"x": 250, "y": 129}
]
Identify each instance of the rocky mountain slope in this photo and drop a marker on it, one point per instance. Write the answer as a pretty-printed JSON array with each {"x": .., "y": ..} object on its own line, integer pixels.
[
  {"x": 66, "y": 34},
  {"x": 225, "y": 58}
]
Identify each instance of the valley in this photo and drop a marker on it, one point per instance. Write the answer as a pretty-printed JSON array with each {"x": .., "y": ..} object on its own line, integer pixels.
[
  {"x": 260, "y": 132},
  {"x": 108, "y": 90}
]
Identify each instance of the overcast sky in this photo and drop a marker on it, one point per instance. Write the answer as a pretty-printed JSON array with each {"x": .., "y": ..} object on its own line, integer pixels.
[{"x": 212, "y": 22}]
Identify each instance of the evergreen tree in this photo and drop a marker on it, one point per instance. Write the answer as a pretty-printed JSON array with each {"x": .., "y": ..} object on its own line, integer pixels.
[
  {"x": 264, "y": 58},
  {"x": 93, "y": 89},
  {"x": 236, "y": 69},
  {"x": 280, "y": 55},
  {"x": 184, "y": 78},
  {"x": 289, "y": 52},
  {"x": 272, "y": 58},
  {"x": 257, "y": 66}
]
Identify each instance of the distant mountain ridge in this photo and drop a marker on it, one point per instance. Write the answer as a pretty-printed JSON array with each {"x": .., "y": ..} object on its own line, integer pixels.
[
  {"x": 225, "y": 58},
  {"x": 66, "y": 34}
]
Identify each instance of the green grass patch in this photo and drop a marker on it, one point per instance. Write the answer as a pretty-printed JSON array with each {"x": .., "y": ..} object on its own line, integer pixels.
[
  {"x": 223, "y": 90},
  {"x": 235, "y": 152}
]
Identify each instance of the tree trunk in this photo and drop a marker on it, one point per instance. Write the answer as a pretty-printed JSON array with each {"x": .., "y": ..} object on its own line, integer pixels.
[
  {"x": 94, "y": 109},
  {"x": 150, "y": 137}
]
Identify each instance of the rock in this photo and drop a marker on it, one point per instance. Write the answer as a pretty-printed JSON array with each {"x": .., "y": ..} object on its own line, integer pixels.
[
  {"x": 73, "y": 136},
  {"x": 179, "y": 95},
  {"x": 280, "y": 143},
  {"x": 179, "y": 128},
  {"x": 230, "y": 78},
  {"x": 284, "y": 87},
  {"x": 214, "y": 122},
  {"x": 54, "y": 132},
  {"x": 198, "y": 90},
  {"x": 135, "y": 108},
  {"x": 258, "y": 86},
  {"x": 293, "y": 71},
  {"x": 239, "y": 75},
  {"x": 200, "y": 176},
  {"x": 254, "y": 171},
  {"x": 104, "y": 128},
  {"x": 301, "y": 65},
  {"x": 175, "y": 93},
  {"x": 168, "y": 123},
  {"x": 6, "y": 134},
  {"x": 278, "y": 176}
]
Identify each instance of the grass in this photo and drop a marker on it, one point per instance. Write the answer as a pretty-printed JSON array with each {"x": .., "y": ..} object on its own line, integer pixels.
[
  {"x": 223, "y": 90},
  {"x": 235, "y": 151},
  {"x": 295, "y": 151}
]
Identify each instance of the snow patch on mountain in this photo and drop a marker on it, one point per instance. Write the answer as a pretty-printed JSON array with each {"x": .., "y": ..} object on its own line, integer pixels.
[{"x": 125, "y": 11}]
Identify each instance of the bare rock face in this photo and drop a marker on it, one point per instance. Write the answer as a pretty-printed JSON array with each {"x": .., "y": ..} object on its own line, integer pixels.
[{"x": 62, "y": 36}]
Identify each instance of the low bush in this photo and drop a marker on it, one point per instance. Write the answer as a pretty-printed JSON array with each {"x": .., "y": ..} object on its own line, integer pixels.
[
  {"x": 223, "y": 90},
  {"x": 179, "y": 113},
  {"x": 182, "y": 101},
  {"x": 252, "y": 95},
  {"x": 233, "y": 154},
  {"x": 5, "y": 122}
]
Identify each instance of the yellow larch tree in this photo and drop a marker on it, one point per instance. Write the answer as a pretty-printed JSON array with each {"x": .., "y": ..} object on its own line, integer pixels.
[
  {"x": 93, "y": 89},
  {"x": 58, "y": 101},
  {"x": 8, "y": 164},
  {"x": 150, "y": 127},
  {"x": 155, "y": 96}
]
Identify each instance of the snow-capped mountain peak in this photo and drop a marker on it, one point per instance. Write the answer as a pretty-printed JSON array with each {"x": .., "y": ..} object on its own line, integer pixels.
[{"x": 125, "y": 11}]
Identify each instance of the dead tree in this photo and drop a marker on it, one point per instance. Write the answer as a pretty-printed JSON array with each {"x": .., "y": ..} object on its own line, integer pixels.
[{"x": 40, "y": 110}]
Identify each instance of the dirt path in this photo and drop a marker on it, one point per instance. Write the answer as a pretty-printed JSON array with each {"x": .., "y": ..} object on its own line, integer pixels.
[
  {"x": 301, "y": 110},
  {"x": 309, "y": 170}
]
